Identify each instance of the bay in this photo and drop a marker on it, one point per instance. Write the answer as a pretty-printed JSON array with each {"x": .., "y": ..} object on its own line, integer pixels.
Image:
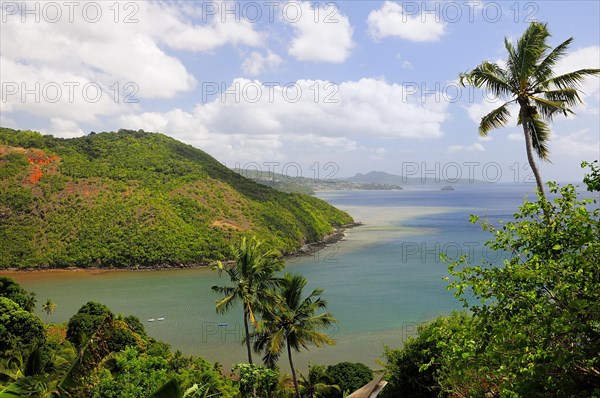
[{"x": 383, "y": 279}]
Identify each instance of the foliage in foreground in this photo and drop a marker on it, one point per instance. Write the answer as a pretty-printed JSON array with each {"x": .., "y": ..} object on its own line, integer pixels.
[
  {"x": 98, "y": 354},
  {"x": 103, "y": 356},
  {"x": 348, "y": 376},
  {"x": 12, "y": 290},
  {"x": 535, "y": 321},
  {"x": 414, "y": 370}
]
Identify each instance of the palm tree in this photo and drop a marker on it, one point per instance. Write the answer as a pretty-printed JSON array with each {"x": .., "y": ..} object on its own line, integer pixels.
[
  {"x": 528, "y": 80},
  {"x": 34, "y": 377},
  {"x": 293, "y": 321},
  {"x": 318, "y": 383},
  {"x": 253, "y": 279},
  {"x": 49, "y": 307}
]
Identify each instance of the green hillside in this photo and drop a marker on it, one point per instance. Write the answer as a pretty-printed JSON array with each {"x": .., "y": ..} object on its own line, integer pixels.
[{"x": 132, "y": 198}]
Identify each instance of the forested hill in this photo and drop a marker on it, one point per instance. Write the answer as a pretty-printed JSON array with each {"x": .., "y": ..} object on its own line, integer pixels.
[{"x": 131, "y": 199}]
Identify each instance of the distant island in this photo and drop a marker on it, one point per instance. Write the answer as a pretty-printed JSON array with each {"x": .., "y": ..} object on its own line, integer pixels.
[{"x": 131, "y": 199}]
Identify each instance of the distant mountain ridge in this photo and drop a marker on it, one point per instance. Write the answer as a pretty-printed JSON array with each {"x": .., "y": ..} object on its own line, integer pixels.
[
  {"x": 309, "y": 186},
  {"x": 381, "y": 177},
  {"x": 136, "y": 199}
]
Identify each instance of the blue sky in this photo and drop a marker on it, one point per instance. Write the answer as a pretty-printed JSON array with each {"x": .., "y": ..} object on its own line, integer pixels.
[{"x": 339, "y": 87}]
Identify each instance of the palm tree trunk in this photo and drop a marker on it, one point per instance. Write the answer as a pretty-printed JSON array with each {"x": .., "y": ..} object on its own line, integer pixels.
[
  {"x": 247, "y": 336},
  {"x": 289, "y": 350},
  {"x": 530, "y": 159}
]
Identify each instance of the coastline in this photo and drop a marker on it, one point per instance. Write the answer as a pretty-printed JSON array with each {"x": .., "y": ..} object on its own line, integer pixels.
[
  {"x": 306, "y": 250},
  {"x": 313, "y": 247}
]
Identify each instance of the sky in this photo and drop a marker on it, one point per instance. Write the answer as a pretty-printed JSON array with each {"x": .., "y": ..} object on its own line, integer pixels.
[{"x": 325, "y": 89}]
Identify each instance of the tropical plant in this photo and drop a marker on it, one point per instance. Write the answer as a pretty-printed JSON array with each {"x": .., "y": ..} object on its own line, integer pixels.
[
  {"x": 349, "y": 376},
  {"x": 292, "y": 321},
  {"x": 36, "y": 378},
  {"x": 414, "y": 369},
  {"x": 536, "y": 319},
  {"x": 529, "y": 80},
  {"x": 12, "y": 290},
  {"x": 48, "y": 307},
  {"x": 172, "y": 389},
  {"x": 318, "y": 383},
  {"x": 256, "y": 380},
  {"x": 86, "y": 322},
  {"x": 592, "y": 180},
  {"x": 20, "y": 330},
  {"x": 252, "y": 276}
]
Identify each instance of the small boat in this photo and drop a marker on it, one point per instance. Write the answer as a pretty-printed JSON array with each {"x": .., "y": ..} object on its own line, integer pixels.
[
  {"x": 161, "y": 319},
  {"x": 151, "y": 320},
  {"x": 223, "y": 324}
]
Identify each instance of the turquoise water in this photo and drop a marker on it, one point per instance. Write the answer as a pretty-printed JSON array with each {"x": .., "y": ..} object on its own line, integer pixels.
[{"x": 380, "y": 281}]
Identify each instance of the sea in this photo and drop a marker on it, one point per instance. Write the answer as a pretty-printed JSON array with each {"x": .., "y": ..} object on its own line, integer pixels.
[{"x": 380, "y": 281}]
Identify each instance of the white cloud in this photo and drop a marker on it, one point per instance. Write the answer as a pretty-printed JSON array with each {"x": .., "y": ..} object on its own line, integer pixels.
[
  {"x": 176, "y": 30},
  {"x": 516, "y": 137},
  {"x": 64, "y": 128},
  {"x": 392, "y": 20},
  {"x": 338, "y": 144},
  {"x": 111, "y": 52},
  {"x": 407, "y": 65},
  {"x": 476, "y": 147},
  {"x": 46, "y": 92},
  {"x": 8, "y": 122},
  {"x": 323, "y": 34},
  {"x": 128, "y": 61},
  {"x": 256, "y": 63},
  {"x": 311, "y": 115},
  {"x": 579, "y": 144}
]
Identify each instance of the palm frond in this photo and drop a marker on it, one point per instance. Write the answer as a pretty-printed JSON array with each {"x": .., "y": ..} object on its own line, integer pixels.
[
  {"x": 490, "y": 76},
  {"x": 569, "y": 96},
  {"x": 540, "y": 135},
  {"x": 530, "y": 48},
  {"x": 547, "y": 108},
  {"x": 569, "y": 80},
  {"x": 317, "y": 338},
  {"x": 511, "y": 65},
  {"x": 495, "y": 119},
  {"x": 224, "y": 304},
  {"x": 544, "y": 70}
]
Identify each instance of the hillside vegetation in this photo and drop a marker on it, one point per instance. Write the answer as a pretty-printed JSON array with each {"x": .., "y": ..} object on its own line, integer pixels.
[{"x": 132, "y": 198}]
